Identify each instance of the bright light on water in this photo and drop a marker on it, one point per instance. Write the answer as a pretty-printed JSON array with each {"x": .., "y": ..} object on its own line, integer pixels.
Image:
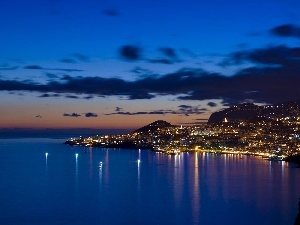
[
  {"x": 250, "y": 194},
  {"x": 46, "y": 154}
]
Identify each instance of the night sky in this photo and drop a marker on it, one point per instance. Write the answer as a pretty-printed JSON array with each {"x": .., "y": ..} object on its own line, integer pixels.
[{"x": 127, "y": 63}]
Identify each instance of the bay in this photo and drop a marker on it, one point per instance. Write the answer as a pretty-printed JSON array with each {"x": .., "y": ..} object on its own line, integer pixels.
[{"x": 42, "y": 181}]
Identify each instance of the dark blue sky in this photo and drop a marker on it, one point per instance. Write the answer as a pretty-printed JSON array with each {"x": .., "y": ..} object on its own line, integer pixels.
[{"x": 105, "y": 64}]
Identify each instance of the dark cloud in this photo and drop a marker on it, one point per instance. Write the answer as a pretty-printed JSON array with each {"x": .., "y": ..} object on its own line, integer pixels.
[
  {"x": 188, "y": 110},
  {"x": 169, "y": 52},
  {"x": 36, "y": 67},
  {"x": 162, "y": 61},
  {"x": 212, "y": 104},
  {"x": 138, "y": 70},
  {"x": 110, "y": 12},
  {"x": 286, "y": 30},
  {"x": 130, "y": 52},
  {"x": 185, "y": 106},
  {"x": 183, "y": 110},
  {"x": 133, "y": 52},
  {"x": 66, "y": 70},
  {"x": 51, "y": 75},
  {"x": 72, "y": 114},
  {"x": 274, "y": 55},
  {"x": 118, "y": 109},
  {"x": 68, "y": 60},
  {"x": 72, "y": 96},
  {"x": 157, "y": 112},
  {"x": 88, "y": 97},
  {"x": 274, "y": 77},
  {"x": 90, "y": 114},
  {"x": 12, "y": 85},
  {"x": 33, "y": 67},
  {"x": 170, "y": 56},
  {"x": 38, "y": 116},
  {"x": 79, "y": 97},
  {"x": 141, "y": 95},
  {"x": 141, "y": 71},
  {"x": 49, "y": 95},
  {"x": 45, "y": 96}
]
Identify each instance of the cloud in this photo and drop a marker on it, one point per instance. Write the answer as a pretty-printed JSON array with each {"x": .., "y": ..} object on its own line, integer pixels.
[
  {"x": 130, "y": 52},
  {"x": 169, "y": 52},
  {"x": 162, "y": 61},
  {"x": 90, "y": 114},
  {"x": 133, "y": 52},
  {"x": 33, "y": 67},
  {"x": 185, "y": 106},
  {"x": 156, "y": 112},
  {"x": 37, "y": 67},
  {"x": 38, "y": 116},
  {"x": 118, "y": 109},
  {"x": 273, "y": 77},
  {"x": 286, "y": 30},
  {"x": 188, "y": 110},
  {"x": 72, "y": 115},
  {"x": 49, "y": 95},
  {"x": 183, "y": 110},
  {"x": 51, "y": 75},
  {"x": 72, "y": 96},
  {"x": 170, "y": 56},
  {"x": 212, "y": 104},
  {"x": 274, "y": 55},
  {"x": 141, "y": 71},
  {"x": 88, "y": 97},
  {"x": 140, "y": 95},
  {"x": 75, "y": 58},
  {"x": 67, "y": 60}
]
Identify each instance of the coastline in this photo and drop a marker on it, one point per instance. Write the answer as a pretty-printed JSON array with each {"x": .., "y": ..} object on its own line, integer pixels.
[{"x": 271, "y": 157}]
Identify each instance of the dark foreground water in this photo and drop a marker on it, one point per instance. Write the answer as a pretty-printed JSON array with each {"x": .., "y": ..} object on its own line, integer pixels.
[{"x": 60, "y": 188}]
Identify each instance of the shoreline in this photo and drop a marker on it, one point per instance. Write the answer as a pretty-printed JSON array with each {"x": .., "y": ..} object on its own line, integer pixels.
[{"x": 271, "y": 157}]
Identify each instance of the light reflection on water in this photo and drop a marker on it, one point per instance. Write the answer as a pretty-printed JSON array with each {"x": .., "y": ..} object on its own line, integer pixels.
[{"x": 141, "y": 187}]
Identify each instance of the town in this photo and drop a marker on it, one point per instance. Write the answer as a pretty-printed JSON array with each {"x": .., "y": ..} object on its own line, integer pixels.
[{"x": 271, "y": 131}]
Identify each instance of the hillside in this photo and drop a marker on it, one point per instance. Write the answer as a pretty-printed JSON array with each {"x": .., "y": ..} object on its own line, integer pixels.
[
  {"x": 252, "y": 112},
  {"x": 153, "y": 126}
]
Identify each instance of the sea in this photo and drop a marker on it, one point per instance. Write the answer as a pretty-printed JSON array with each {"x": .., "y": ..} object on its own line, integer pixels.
[{"x": 43, "y": 181}]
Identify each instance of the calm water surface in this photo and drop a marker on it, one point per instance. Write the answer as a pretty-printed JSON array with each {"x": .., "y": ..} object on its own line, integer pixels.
[{"x": 60, "y": 188}]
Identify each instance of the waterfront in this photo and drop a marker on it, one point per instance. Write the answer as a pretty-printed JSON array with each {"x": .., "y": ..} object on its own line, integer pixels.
[{"x": 189, "y": 188}]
